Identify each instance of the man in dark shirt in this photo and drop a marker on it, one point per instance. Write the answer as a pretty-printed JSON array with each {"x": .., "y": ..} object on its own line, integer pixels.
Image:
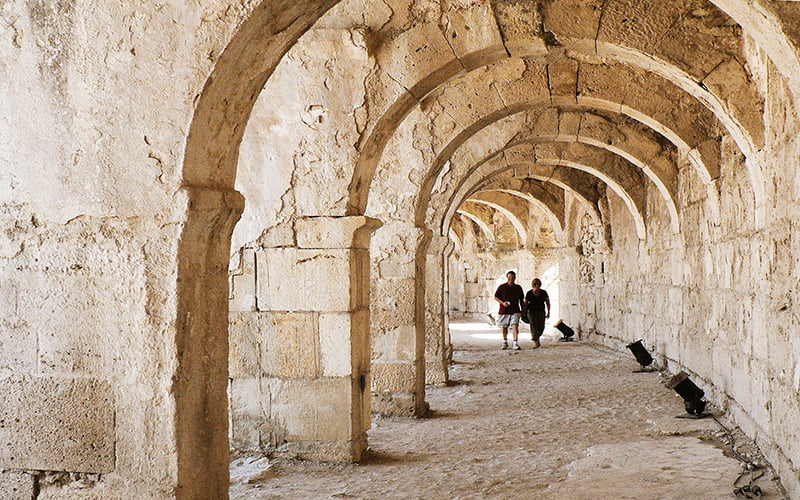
[
  {"x": 537, "y": 305},
  {"x": 510, "y": 295}
]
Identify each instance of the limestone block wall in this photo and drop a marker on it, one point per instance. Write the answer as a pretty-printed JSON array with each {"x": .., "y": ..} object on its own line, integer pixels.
[
  {"x": 299, "y": 349},
  {"x": 298, "y": 372},
  {"x": 95, "y": 102},
  {"x": 397, "y": 325},
  {"x": 716, "y": 300}
]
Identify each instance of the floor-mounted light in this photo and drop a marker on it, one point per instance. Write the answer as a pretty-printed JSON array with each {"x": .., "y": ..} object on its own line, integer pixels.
[
  {"x": 642, "y": 356},
  {"x": 691, "y": 394},
  {"x": 566, "y": 332}
]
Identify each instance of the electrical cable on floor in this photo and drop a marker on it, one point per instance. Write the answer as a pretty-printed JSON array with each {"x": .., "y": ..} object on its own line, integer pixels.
[{"x": 749, "y": 490}]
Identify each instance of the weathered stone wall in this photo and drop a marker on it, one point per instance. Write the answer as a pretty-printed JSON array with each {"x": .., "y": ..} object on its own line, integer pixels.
[
  {"x": 299, "y": 149},
  {"x": 296, "y": 345},
  {"x": 96, "y": 100},
  {"x": 715, "y": 300},
  {"x": 120, "y": 127},
  {"x": 93, "y": 116}
]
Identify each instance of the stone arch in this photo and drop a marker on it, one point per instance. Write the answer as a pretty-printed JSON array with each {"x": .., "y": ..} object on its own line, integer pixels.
[
  {"x": 550, "y": 204},
  {"x": 531, "y": 178},
  {"x": 508, "y": 210},
  {"x": 452, "y": 146},
  {"x": 482, "y": 224},
  {"x": 665, "y": 183},
  {"x": 635, "y": 204},
  {"x": 208, "y": 175},
  {"x": 212, "y": 209},
  {"x": 536, "y": 45},
  {"x": 623, "y": 179}
]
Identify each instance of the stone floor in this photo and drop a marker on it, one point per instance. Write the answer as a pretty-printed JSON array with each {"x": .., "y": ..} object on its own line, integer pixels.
[{"x": 566, "y": 421}]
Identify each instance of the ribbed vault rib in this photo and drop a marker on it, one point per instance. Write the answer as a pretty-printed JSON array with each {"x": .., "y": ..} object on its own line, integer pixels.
[
  {"x": 482, "y": 224},
  {"x": 583, "y": 186},
  {"x": 735, "y": 106},
  {"x": 550, "y": 204}
]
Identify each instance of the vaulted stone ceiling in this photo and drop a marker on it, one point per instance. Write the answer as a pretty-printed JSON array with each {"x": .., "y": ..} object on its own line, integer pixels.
[{"x": 625, "y": 92}]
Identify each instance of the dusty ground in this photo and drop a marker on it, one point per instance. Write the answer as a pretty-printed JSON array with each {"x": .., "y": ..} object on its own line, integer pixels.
[{"x": 566, "y": 421}]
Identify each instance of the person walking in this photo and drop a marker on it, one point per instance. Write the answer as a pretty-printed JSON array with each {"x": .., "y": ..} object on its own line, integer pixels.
[
  {"x": 537, "y": 308},
  {"x": 510, "y": 296}
]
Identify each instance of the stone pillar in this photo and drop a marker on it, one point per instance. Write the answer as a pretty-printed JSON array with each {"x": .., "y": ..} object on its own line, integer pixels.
[
  {"x": 437, "y": 333},
  {"x": 571, "y": 300},
  {"x": 398, "y": 331},
  {"x": 201, "y": 343},
  {"x": 302, "y": 391}
]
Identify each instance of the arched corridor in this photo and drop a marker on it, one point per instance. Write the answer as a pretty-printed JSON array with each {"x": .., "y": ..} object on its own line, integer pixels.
[
  {"x": 243, "y": 228},
  {"x": 564, "y": 421}
]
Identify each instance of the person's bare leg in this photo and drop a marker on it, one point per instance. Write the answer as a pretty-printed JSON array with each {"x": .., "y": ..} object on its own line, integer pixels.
[
  {"x": 504, "y": 329},
  {"x": 515, "y": 331}
]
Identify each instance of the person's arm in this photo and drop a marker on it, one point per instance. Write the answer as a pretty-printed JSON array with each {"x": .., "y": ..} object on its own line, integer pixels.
[
  {"x": 498, "y": 299},
  {"x": 547, "y": 303}
]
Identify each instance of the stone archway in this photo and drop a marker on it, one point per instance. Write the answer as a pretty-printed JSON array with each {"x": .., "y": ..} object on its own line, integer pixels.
[
  {"x": 210, "y": 165},
  {"x": 212, "y": 209}
]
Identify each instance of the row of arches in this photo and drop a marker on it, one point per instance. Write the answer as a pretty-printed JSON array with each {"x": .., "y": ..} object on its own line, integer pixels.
[
  {"x": 328, "y": 158},
  {"x": 553, "y": 111}
]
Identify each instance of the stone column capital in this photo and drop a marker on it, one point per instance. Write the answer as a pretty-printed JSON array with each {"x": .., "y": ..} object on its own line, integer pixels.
[{"x": 440, "y": 245}]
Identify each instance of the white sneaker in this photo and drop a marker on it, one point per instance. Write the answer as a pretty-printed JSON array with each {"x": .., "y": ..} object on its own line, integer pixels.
[
  {"x": 505, "y": 346},
  {"x": 516, "y": 347}
]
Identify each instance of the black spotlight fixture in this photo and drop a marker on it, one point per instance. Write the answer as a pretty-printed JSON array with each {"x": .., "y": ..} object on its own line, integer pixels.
[
  {"x": 642, "y": 356},
  {"x": 692, "y": 395},
  {"x": 566, "y": 332}
]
